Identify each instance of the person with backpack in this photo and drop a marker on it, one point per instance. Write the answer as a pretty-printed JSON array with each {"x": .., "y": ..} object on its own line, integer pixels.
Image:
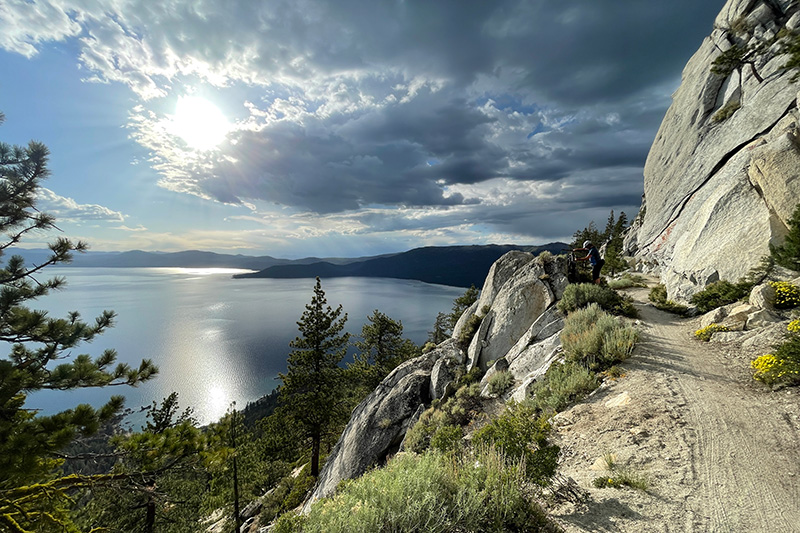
[{"x": 593, "y": 256}]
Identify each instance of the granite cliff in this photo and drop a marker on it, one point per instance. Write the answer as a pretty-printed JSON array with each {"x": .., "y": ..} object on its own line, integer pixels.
[{"x": 721, "y": 179}]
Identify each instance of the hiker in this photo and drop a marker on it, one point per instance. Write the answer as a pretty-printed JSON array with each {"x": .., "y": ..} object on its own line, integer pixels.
[{"x": 593, "y": 256}]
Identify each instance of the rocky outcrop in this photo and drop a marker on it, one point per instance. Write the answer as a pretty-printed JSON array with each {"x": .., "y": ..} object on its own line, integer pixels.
[
  {"x": 519, "y": 332},
  {"x": 379, "y": 423},
  {"x": 514, "y": 303},
  {"x": 721, "y": 179}
]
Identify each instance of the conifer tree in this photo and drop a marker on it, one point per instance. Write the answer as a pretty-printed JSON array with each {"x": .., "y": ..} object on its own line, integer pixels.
[
  {"x": 32, "y": 495},
  {"x": 313, "y": 390},
  {"x": 381, "y": 349}
]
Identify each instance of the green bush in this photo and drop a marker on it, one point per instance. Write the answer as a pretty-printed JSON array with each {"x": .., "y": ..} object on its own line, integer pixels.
[
  {"x": 726, "y": 111},
  {"x": 782, "y": 367},
  {"x": 287, "y": 494},
  {"x": 579, "y": 295},
  {"x": 471, "y": 328},
  {"x": 289, "y": 522},
  {"x": 595, "y": 339},
  {"x": 626, "y": 281},
  {"x": 720, "y": 293},
  {"x": 658, "y": 296},
  {"x": 432, "y": 493},
  {"x": 500, "y": 382},
  {"x": 447, "y": 439},
  {"x": 562, "y": 385},
  {"x": 621, "y": 476},
  {"x": 788, "y": 254},
  {"x": 521, "y": 433},
  {"x": 456, "y": 411}
]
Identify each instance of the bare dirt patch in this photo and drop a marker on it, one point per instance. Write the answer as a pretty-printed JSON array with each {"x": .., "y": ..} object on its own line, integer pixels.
[{"x": 721, "y": 452}]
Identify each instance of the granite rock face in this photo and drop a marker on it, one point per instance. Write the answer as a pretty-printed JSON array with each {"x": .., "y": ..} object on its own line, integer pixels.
[
  {"x": 723, "y": 175},
  {"x": 519, "y": 332},
  {"x": 378, "y": 425}
]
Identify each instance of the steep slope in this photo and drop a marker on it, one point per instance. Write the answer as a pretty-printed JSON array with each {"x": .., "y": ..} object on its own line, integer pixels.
[{"x": 721, "y": 179}]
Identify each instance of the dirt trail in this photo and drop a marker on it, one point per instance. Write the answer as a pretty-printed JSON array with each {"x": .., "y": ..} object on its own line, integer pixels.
[{"x": 722, "y": 453}]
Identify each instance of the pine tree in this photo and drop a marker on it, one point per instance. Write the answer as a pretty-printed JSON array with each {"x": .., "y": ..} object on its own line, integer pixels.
[
  {"x": 441, "y": 329},
  {"x": 381, "y": 349},
  {"x": 32, "y": 495},
  {"x": 313, "y": 389}
]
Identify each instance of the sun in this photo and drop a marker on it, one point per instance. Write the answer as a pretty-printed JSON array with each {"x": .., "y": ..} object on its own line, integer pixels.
[{"x": 199, "y": 122}]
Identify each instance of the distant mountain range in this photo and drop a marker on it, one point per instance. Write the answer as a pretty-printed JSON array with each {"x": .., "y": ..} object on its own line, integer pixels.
[{"x": 459, "y": 266}]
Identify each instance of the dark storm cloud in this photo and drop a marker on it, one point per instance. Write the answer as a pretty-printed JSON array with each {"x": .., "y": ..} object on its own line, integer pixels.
[{"x": 407, "y": 103}]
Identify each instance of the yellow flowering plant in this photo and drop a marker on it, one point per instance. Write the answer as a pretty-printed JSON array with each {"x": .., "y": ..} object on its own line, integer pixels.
[
  {"x": 794, "y": 326},
  {"x": 787, "y": 295},
  {"x": 770, "y": 369},
  {"x": 704, "y": 334}
]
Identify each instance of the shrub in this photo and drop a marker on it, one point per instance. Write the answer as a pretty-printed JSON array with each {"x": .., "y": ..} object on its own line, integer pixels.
[
  {"x": 433, "y": 493},
  {"x": 787, "y": 295},
  {"x": 627, "y": 281},
  {"x": 473, "y": 376},
  {"x": 782, "y": 366},
  {"x": 620, "y": 476},
  {"x": 562, "y": 385},
  {"x": 287, "y": 494},
  {"x": 704, "y": 334},
  {"x": 579, "y": 295},
  {"x": 618, "y": 343},
  {"x": 520, "y": 433},
  {"x": 447, "y": 439},
  {"x": 726, "y": 111},
  {"x": 720, "y": 293},
  {"x": 788, "y": 254},
  {"x": 794, "y": 326},
  {"x": 500, "y": 382},
  {"x": 289, "y": 522},
  {"x": 595, "y": 339},
  {"x": 471, "y": 328},
  {"x": 658, "y": 295},
  {"x": 456, "y": 411}
]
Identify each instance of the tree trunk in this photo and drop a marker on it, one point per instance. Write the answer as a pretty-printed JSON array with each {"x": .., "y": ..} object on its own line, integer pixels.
[
  {"x": 150, "y": 520},
  {"x": 315, "y": 442}
]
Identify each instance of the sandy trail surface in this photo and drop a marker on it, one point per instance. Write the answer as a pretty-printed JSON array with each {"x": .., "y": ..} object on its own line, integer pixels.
[{"x": 721, "y": 453}]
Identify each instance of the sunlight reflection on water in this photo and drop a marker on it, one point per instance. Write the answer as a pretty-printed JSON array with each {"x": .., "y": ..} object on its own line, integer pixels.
[{"x": 215, "y": 339}]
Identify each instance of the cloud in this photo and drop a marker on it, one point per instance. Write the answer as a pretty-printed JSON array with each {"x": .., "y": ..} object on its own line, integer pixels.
[
  {"x": 507, "y": 117},
  {"x": 67, "y": 209}
]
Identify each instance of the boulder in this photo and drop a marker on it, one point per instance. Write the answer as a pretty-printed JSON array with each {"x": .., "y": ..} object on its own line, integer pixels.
[
  {"x": 448, "y": 358},
  {"x": 500, "y": 273},
  {"x": 545, "y": 358},
  {"x": 715, "y": 316},
  {"x": 535, "y": 357},
  {"x": 763, "y": 296},
  {"x": 377, "y": 425},
  {"x": 721, "y": 182},
  {"x": 517, "y": 305},
  {"x": 760, "y": 319},
  {"x": 548, "y": 323},
  {"x": 737, "y": 317}
]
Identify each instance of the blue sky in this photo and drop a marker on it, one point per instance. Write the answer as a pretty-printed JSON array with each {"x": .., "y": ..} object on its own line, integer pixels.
[{"x": 342, "y": 128}]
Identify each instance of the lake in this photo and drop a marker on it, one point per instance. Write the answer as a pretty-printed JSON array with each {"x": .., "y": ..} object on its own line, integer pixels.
[{"x": 216, "y": 339}]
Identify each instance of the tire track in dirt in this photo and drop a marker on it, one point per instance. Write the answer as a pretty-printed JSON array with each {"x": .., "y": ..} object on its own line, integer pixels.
[{"x": 744, "y": 449}]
